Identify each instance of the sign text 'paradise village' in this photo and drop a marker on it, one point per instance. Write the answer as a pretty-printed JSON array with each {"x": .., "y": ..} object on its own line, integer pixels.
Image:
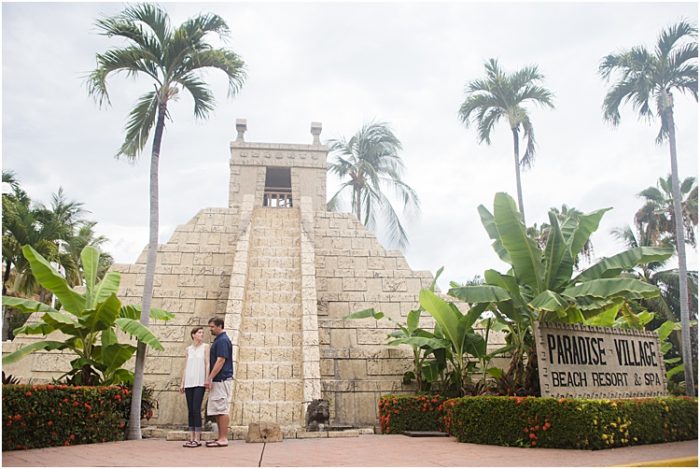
[{"x": 585, "y": 361}]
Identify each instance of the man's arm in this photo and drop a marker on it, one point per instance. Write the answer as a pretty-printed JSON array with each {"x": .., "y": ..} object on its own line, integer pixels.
[{"x": 215, "y": 371}]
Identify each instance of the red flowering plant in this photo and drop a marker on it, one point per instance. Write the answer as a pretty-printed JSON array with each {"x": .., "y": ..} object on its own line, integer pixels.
[
  {"x": 400, "y": 413},
  {"x": 37, "y": 416}
]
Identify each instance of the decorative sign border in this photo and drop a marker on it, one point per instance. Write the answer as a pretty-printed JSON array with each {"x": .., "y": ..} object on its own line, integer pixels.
[{"x": 553, "y": 376}]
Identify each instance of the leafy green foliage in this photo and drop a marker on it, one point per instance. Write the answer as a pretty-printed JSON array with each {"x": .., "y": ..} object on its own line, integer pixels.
[
  {"x": 39, "y": 416},
  {"x": 88, "y": 322},
  {"x": 541, "y": 285}
]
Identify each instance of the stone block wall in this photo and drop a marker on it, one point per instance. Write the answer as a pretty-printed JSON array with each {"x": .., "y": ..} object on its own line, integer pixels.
[{"x": 354, "y": 272}]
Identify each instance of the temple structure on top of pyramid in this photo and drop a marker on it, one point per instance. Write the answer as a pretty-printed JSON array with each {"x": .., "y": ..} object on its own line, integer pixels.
[{"x": 283, "y": 273}]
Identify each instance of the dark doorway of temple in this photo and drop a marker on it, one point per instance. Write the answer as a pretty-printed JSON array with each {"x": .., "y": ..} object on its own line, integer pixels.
[{"x": 278, "y": 188}]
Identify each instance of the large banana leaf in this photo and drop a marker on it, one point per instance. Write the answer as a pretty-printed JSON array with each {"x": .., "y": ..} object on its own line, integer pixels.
[
  {"x": 526, "y": 257},
  {"x": 480, "y": 294},
  {"x": 490, "y": 225},
  {"x": 103, "y": 317},
  {"x": 665, "y": 329},
  {"x": 24, "y": 305},
  {"x": 135, "y": 329},
  {"x": 115, "y": 355},
  {"x": 554, "y": 254},
  {"x": 52, "y": 281},
  {"x": 27, "y": 349},
  {"x": 515, "y": 308},
  {"x": 431, "y": 343},
  {"x": 445, "y": 316},
  {"x": 134, "y": 312},
  {"x": 605, "y": 318},
  {"x": 40, "y": 328},
  {"x": 90, "y": 258},
  {"x": 587, "y": 224},
  {"x": 613, "y": 287},
  {"x": 550, "y": 301},
  {"x": 108, "y": 337},
  {"x": 108, "y": 286},
  {"x": 412, "y": 320},
  {"x": 474, "y": 345},
  {"x": 612, "y": 266}
]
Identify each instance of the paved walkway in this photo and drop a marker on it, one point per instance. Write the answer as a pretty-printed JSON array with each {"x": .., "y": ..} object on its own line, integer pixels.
[{"x": 363, "y": 451}]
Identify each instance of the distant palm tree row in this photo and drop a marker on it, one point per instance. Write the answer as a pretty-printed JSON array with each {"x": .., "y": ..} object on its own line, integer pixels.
[
  {"x": 58, "y": 232},
  {"x": 641, "y": 77}
]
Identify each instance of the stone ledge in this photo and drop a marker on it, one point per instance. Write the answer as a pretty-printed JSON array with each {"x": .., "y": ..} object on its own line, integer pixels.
[{"x": 239, "y": 433}]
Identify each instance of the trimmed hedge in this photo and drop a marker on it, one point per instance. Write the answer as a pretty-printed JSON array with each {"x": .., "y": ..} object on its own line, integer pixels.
[
  {"x": 545, "y": 422},
  {"x": 37, "y": 416},
  {"x": 399, "y": 413},
  {"x": 571, "y": 423}
]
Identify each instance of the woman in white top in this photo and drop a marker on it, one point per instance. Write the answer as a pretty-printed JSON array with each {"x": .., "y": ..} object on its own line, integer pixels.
[{"x": 193, "y": 375}]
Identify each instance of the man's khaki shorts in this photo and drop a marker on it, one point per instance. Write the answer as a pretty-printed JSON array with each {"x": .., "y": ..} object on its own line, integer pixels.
[{"x": 219, "y": 395}]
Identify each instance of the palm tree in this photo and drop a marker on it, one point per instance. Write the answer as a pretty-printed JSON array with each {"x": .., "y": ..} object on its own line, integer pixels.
[
  {"x": 657, "y": 217},
  {"x": 84, "y": 236},
  {"x": 371, "y": 162},
  {"x": 503, "y": 95},
  {"x": 646, "y": 76},
  {"x": 172, "y": 59}
]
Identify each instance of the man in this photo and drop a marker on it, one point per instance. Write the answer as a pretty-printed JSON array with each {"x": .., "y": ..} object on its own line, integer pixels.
[{"x": 219, "y": 380}]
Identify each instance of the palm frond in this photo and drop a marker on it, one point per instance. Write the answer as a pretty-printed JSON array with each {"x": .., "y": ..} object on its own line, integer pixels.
[
  {"x": 671, "y": 35},
  {"x": 152, "y": 16},
  {"x": 528, "y": 158},
  {"x": 223, "y": 59},
  {"x": 141, "y": 119},
  {"x": 203, "y": 97},
  {"x": 129, "y": 60}
]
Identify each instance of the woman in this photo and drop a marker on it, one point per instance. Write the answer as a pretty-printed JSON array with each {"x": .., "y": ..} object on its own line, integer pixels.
[{"x": 196, "y": 369}]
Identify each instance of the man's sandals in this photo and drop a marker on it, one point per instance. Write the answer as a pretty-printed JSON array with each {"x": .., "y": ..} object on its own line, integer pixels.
[
  {"x": 192, "y": 444},
  {"x": 216, "y": 444}
]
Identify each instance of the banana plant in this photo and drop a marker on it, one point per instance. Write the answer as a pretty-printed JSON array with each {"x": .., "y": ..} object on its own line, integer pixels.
[
  {"x": 89, "y": 322},
  {"x": 423, "y": 343},
  {"x": 541, "y": 285}
]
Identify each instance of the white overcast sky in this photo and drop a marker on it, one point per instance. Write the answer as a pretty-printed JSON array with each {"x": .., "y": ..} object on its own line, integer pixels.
[{"x": 344, "y": 64}]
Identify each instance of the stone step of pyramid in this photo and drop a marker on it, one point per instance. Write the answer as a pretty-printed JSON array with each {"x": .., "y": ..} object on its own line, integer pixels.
[
  {"x": 263, "y": 339},
  {"x": 273, "y": 272},
  {"x": 269, "y": 370},
  {"x": 273, "y": 297},
  {"x": 278, "y": 353},
  {"x": 274, "y": 262},
  {"x": 275, "y": 284},
  {"x": 273, "y": 390},
  {"x": 256, "y": 411},
  {"x": 272, "y": 323}
]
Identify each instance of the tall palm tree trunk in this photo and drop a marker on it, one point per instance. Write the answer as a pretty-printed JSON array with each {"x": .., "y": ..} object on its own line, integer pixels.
[
  {"x": 516, "y": 155},
  {"x": 5, "y": 317},
  {"x": 680, "y": 247},
  {"x": 134, "y": 432},
  {"x": 358, "y": 207}
]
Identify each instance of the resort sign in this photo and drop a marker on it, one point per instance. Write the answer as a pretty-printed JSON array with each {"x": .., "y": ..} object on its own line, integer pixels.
[{"x": 599, "y": 362}]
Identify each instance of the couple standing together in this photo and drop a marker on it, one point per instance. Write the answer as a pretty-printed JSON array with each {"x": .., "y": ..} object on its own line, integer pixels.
[{"x": 213, "y": 372}]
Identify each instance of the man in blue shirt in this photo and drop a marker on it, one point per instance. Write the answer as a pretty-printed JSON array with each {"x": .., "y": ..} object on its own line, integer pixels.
[{"x": 220, "y": 380}]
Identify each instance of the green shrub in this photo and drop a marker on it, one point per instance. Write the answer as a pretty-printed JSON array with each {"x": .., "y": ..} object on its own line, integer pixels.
[
  {"x": 399, "y": 413},
  {"x": 37, "y": 416},
  {"x": 570, "y": 423}
]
